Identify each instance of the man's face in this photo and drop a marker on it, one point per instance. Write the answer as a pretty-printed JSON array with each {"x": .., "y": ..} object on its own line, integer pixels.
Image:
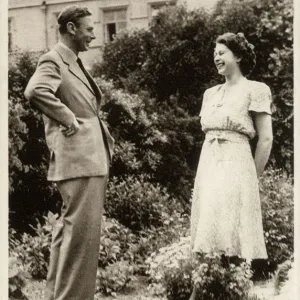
[{"x": 84, "y": 34}]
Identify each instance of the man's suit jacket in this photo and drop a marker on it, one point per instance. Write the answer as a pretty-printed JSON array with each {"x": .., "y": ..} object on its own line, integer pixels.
[{"x": 62, "y": 92}]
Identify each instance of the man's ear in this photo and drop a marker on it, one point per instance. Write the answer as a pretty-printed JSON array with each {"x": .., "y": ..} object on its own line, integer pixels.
[{"x": 71, "y": 28}]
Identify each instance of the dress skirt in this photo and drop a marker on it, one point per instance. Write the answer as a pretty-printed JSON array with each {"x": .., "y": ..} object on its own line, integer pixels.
[{"x": 226, "y": 210}]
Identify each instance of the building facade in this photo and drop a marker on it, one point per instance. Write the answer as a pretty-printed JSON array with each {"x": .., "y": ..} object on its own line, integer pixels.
[{"x": 32, "y": 24}]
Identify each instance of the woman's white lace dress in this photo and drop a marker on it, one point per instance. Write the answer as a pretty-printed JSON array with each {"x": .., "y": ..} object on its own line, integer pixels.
[{"x": 226, "y": 211}]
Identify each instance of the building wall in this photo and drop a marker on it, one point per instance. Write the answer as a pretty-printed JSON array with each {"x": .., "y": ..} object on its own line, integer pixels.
[
  {"x": 28, "y": 33},
  {"x": 33, "y": 23}
]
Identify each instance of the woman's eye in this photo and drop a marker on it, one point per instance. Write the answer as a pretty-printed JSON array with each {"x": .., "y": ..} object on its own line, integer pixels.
[{"x": 219, "y": 53}]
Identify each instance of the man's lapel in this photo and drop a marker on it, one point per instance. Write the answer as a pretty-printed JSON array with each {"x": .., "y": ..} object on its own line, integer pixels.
[
  {"x": 73, "y": 66},
  {"x": 98, "y": 92}
]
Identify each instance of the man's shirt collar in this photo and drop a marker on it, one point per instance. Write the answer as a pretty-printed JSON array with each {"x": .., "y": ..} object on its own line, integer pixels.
[{"x": 70, "y": 53}]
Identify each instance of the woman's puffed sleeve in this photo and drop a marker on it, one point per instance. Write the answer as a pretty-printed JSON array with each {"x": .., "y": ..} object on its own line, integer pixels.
[
  {"x": 260, "y": 98},
  {"x": 204, "y": 100}
]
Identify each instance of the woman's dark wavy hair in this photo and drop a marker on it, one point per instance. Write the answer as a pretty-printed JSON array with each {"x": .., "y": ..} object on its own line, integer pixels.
[
  {"x": 241, "y": 48},
  {"x": 71, "y": 13}
]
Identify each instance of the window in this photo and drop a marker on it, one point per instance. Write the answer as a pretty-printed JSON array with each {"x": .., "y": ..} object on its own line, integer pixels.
[
  {"x": 114, "y": 21},
  {"x": 9, "y": 34}
]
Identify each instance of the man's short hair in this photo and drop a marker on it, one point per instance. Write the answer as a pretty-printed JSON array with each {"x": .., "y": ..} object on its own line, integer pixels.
[{"x": 72, "y": 13}]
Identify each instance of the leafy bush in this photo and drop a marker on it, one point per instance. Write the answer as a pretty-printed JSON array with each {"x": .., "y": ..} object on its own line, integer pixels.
[
  {"x": 30, "y": 194},
  {"x": 136, "y": 203},
  {"x": 17, "y": 277},
  {"x": 278, "y": 217},
  {"x": 115, "y": 243},
  {"x": 172, "y": 261},
  {"x": 214, "y": 281},
  {"x": 33, "y": 251},
  {"x": 128, "y": 54},
  {"x": 180, "y": 153},
  {"x": 138, "y": 139},
  {"x": 167, "y": 59},
  {"x": 114, "y": 278},
  {"x": 152, "y": 138},
  {"x": 174, "y": 227},
  {"x": 174, "y": 271}
]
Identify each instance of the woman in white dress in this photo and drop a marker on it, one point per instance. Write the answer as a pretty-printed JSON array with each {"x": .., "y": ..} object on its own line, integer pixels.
[{"x": 226, "y": 211}]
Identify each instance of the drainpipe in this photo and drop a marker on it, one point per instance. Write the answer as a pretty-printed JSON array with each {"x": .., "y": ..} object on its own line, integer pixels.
[{"x": 44, "y": 8}]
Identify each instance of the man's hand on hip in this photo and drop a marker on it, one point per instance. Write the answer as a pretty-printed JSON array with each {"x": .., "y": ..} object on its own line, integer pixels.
[{"x": 72, "y": 129}]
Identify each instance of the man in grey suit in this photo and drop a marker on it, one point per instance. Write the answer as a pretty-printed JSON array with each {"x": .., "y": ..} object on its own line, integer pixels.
[{"x": 80, "y": 152}]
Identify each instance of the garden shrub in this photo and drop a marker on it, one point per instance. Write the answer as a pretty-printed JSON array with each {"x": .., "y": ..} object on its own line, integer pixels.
[
  {"x": 152, "y": 138},
  {"x": 214, "y": 281},
  {"x": 175, "y": 226},
  {"x": 171, "y": 54},
  {"x": 138, "y": 139},
  {"x": 115, "y": 243},
  {"x": 136, "y": 203},
  {"x": 129, "y": 54},
  {"x": 33, "y": 251},
  {"x": 17, "y": 277},
  {"x": 174, "y": 271},
  {"x": 30, "y": 194},
  {"x": 278, "y": 216},
  {"x": 170, "y": 270},
  {"x": 114, "y": 278},
  {"x": 180, "y": 153}
]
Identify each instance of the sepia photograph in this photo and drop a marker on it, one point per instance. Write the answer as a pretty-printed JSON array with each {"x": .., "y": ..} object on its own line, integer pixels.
[{"x": 149, "y": 150}]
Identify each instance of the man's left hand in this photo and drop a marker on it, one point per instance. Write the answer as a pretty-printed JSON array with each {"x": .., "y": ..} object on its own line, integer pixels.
[{"x": 72, "y": 129}]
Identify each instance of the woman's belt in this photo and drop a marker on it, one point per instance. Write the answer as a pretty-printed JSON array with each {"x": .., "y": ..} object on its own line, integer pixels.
[
  {"x": 226, "y": 136},
  {"x": 216, "y": 138}
]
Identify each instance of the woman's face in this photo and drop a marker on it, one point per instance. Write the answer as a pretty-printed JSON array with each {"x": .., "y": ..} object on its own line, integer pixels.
[{"x": 225, "y": 61}]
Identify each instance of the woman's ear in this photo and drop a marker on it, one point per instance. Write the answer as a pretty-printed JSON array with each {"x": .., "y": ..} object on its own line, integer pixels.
[{"x": 238, "y": 59}]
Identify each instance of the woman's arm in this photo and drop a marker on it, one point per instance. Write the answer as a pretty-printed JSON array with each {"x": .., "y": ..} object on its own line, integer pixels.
[{"x": 263, "y": 124}]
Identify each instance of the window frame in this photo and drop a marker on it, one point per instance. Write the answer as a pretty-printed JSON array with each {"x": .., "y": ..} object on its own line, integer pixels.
[{"x": 106, "y": 38}]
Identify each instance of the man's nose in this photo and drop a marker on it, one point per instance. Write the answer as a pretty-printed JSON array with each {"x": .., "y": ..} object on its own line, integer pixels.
[{"x": 93, "y": 36}]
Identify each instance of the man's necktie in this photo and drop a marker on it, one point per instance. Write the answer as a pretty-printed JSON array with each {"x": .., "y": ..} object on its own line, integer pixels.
[{"x": 90, "y": 80}]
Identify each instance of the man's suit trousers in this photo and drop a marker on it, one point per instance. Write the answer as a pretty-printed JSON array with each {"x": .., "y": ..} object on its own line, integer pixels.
[{"x": 76, "y": 239}]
